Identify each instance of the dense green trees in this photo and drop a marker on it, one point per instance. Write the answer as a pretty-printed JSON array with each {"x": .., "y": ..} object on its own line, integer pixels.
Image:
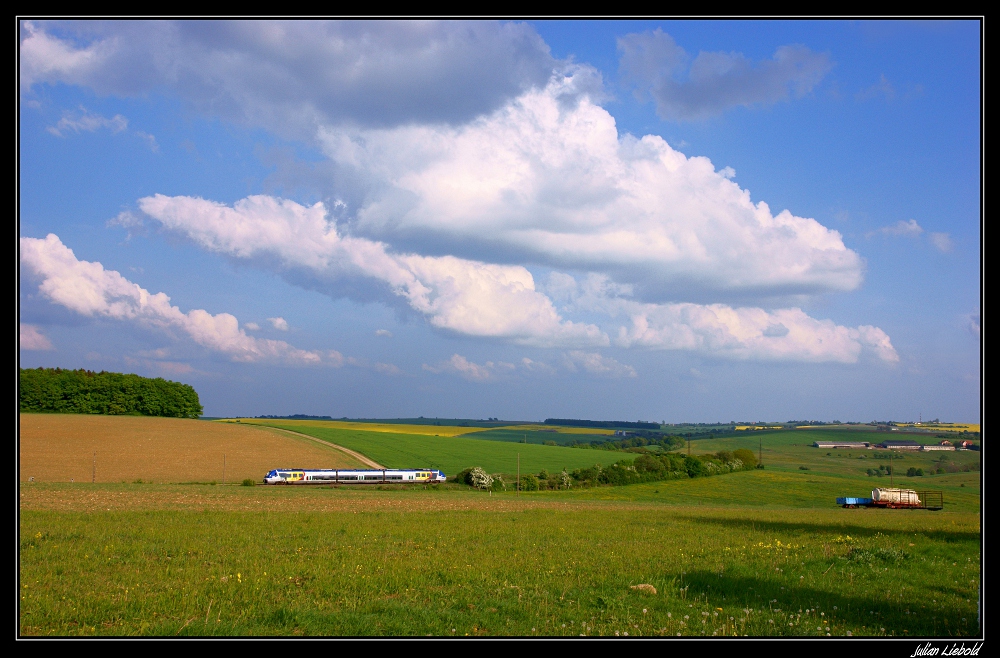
[
  {"x": 653, "y": 467},
  {"x": 85, "y": 392}
]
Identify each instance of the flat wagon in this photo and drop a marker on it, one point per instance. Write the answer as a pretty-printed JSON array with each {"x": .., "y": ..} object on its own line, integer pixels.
[{"x": 896, "y": 499}]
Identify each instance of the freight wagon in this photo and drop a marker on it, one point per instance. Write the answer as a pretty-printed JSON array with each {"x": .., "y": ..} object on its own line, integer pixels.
[
  {"x": 896, "y": 499},
  {"x": 353, "y": 476}
]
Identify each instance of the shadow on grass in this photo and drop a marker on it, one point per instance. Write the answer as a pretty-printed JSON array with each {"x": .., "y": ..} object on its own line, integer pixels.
[
  {"x": 949, "y": 536},
  {"x": 872, "y": 612}
]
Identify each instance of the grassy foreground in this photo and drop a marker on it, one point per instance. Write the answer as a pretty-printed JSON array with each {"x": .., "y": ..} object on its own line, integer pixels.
[{"x": 199, "y": 560}]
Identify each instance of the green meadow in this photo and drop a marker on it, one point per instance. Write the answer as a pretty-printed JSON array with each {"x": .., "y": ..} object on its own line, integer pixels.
[
  {"x": 451, "y": 454},
  {"x": 758, "y": 553}
]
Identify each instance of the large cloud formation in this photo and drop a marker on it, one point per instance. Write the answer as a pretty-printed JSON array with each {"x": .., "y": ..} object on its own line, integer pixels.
[
  {"x": 88, "y": 289},
  {"x": 501, "y": 301},
  {"x": 461, "y": 154},
  {"x": 548, "y": 179}
]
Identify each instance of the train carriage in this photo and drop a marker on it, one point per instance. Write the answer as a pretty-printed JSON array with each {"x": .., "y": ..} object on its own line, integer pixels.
[{"x": 353, "y": 476}]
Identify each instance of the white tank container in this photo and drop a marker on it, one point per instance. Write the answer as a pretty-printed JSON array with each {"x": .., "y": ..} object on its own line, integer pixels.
[{"x": 903, "y": 496}]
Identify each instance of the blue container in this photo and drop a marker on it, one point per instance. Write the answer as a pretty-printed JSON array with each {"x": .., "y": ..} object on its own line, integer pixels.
[{"x": 854, "y": 501}]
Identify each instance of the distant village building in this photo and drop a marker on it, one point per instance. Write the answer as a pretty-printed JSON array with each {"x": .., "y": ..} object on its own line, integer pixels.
[
  {"x": 886, "y": 428},
  {"x": 893, "y": 444},
  {"x": 855, "y": 445},
  {"x": 622, "y": 433},
  {"x": 944, "y": 445}
]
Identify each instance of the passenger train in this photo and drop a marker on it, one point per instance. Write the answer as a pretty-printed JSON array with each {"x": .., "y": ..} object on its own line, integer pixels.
[{"x": 353, "y": 476}]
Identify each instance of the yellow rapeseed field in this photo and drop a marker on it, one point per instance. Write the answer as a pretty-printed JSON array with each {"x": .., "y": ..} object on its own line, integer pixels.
[
  {"x": 945, "y": 427},
  {"x": 61, "y": 447}
]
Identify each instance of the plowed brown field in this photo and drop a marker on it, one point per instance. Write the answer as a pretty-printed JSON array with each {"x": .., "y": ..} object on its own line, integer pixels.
[{"x": 61, "y": 447}]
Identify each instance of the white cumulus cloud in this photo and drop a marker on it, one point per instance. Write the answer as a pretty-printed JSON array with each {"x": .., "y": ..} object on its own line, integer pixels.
[
  {"x": 31, "y": 338},
  {"x": 722, "y": 330},
  {"x": 88, "y": 289},
  {"x": 279, "y": 323},
  {"x": 468, "y": 297},
  {"x": 548, "y": 179}
]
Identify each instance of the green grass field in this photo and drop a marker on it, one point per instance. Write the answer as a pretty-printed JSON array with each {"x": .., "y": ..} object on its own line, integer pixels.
[
  {"x": 762, "y": 552},
  {"x": 299, "y": 560}
]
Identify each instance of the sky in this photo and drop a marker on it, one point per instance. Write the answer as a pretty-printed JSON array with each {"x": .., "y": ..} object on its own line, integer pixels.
[{"x": 671, "y": 221}]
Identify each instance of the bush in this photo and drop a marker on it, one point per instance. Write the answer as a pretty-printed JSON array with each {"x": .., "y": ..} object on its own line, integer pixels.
[
  {"x": 529, "y": 483},
  {"x": 649, "y": 463},
  {"x": 463, "y": 476},
  {"x": 247, "y": 483},
  {"x": 911, "y": 471},
  {"x": 803, "y": 468},
  {"x": 480, "y": 479},
  {"x": 694, "y": 467},
  {"x": 920, "y": 472},
  {"x": 746, "y": 456}
]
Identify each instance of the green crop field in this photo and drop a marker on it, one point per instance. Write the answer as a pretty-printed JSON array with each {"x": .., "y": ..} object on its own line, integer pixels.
[
  {"x": 450, "y": 454},
  {"x": 759, "y": 553}
]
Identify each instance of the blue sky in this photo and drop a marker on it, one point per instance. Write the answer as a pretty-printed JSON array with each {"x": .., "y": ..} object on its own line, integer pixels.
[{"x": 673, "y": 220}]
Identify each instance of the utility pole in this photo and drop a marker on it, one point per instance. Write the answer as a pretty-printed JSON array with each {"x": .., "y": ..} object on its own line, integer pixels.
[
  {"x": 518, "y": 474},
  {"x": 93, "y": 473},
  {"x": 760, "y": 451},
  {"x": 890, "y": 468},
  {"x": 689, "y": 447}
]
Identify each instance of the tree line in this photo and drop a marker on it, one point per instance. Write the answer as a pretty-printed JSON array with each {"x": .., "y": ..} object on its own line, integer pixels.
[
  {"x": 55, "y": 390},
  {"x": 649, "y": 467}
]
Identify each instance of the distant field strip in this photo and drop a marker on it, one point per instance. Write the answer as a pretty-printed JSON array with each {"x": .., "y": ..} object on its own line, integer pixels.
[
  {"x": 451, "y": 453},
  {"x": 391, "y": 428},
  {"x": 61, "y": 447}
]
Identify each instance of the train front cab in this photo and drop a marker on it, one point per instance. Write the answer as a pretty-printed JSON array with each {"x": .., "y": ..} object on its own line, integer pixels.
[{"x": 284, "y": 476}]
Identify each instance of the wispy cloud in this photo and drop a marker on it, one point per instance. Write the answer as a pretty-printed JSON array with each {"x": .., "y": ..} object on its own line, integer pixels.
[
  {"x": 597, "y": 364},
  {"x": 464, "y": 368},
  {"x": 942, "y": 241},
  {"x": 907, "y": 228},
  {"x": 881, "y": 89},
  {"x": 974, "y": 324},
  {"x": 713, "y": 82},
  {"x": 86, "y": 121},
  {"x": 31, "y": 338}
]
